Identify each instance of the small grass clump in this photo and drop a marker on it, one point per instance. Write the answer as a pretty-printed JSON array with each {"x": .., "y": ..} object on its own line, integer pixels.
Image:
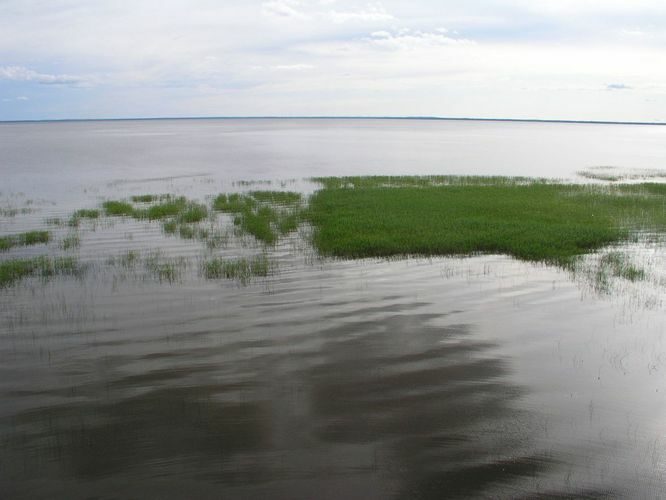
[
  {"x": 118, "y": 208},
  {"x": 531, "y": 220},
  {"x": 617, "y": 264},
  {"x": 70, "y": 241},
  {"x": 266, "y": 215},
  {"x": 127, "y": 260},
  {"x": 169, "y": 208},
  {"x": 242, "y": 270},
  {"x": 83, "y": 213},
  {"x": 165, "y": 269},
  {"x": 14, "y": 270},
  {"x": 192, "y": 212},
  {"x": 54, "y": 221},
  {"x": 87, "y": 213},
  {"x": 24, "y": 239}
]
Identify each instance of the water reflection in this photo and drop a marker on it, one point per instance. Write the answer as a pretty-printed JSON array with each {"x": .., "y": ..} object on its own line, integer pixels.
[{"x": 402, "y": 405}]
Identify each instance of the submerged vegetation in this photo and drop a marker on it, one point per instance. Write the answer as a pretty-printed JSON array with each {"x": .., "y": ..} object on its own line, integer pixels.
[
  {"x": 13, "y": 270},
  {"x": 357, "y": 217},
  {"x": 241, "y": 270},
  {"x": 266, "y": 215},
  {"x": 84, "y": 213},
  {"x": 24, "y": 239},
  {"x": 615, "y": 174}
]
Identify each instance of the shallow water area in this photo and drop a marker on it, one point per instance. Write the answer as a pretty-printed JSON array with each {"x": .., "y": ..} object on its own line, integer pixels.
[{"x": 409, "y": 378}]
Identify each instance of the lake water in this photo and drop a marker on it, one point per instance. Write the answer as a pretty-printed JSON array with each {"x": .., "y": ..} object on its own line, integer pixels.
[{"x": 417, "y": 378}]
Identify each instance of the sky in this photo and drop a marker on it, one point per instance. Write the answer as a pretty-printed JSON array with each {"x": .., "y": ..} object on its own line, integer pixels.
[{"x": 524, "y": 59}]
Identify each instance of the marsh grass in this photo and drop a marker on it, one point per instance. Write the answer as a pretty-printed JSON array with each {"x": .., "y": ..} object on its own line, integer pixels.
[
  {"x": 118, "y": 208},
  {"x": 150, "y": 198},
  {"x": 528, "y": 219},
  {"x": 83, "y": 213},
  {"x": 619, "y": 265},
  {"x": 24, "y": 239},
  {"x": 126, "y": 260},
  {"x": 54, "y": 221},
  {"x": 242, "y": 270},
  {"x": 70, "y": 241},
  {"x": 615, "y": 174},
  {"x": 177, "y": 213},
  {"x": 45, "y": 267},
  {"x": 266, "y": 215},
  {"x": 193, "y": 212},
  {"x": 165, "y": 269},
  {"x": 386, "y": 181},
  {"x": 13, "y": 212}
]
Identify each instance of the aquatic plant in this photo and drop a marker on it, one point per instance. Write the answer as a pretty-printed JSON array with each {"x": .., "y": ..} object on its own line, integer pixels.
[
  {"x": 619, "y": 265},
  {"x": 165, "y": 269},
  {"x": 242, "y": 270},
  {"x": 54, "y": 221},
  {"x": 84, "y": 213},
  {"x": 24, "y": 239},
  {"x": 127, "y": 260},
  {"x": 266, "y": 215},
  {"x": 118, "y": 208},
  {"x": 192, "y": 212},
  {"x": 149, "y": 198},
  {"x": 13, "y": 270},
  {"x": 70, "y": 241},
  {"x": 615, "y": 174},
  {"x": 528, "y": 219}
]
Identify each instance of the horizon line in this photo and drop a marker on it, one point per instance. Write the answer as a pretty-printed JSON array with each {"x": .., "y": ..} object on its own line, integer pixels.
[{"x": 341, "y": 117}]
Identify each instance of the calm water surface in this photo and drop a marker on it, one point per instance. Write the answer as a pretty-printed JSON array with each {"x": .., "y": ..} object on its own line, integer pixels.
[{"x": 438, "y": 378}]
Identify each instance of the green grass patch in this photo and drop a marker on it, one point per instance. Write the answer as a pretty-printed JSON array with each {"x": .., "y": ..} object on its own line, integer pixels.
[
  {"x": 84, "y": 213},
  {"x": 150, "y": 198},
  {"x": 24, "y": 239},
  {"x": 277, "y": 197},
  {"x": 242, "y": 270},
  {"x": 165, "y": 209},
  {"x": 192, "y": 212},
  {"x": 118, "y": 208},
  {"x": 266, "y": 215},
  {"x": 14, "y": 270},
  {"x": 87, "y": 213},
  {"x": 528, "y": 219}
]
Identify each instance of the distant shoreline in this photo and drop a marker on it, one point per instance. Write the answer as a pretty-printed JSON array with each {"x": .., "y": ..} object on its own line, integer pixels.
[{"x": 405, "y": 118}]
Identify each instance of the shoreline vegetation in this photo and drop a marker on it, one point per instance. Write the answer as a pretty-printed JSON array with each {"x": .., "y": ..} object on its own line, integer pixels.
[{"x": 536, "y": 220}]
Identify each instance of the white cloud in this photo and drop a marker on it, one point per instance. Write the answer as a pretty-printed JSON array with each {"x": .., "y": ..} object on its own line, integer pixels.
[
  {"x": 22, "y": 98},
  {"x": 407, "y": 40},
  {"x": 372, "y": 13},
  {"x": 283, "y": 9},
  {"x": 23, "y": 74},
  {"x": 293, "y": 67}
]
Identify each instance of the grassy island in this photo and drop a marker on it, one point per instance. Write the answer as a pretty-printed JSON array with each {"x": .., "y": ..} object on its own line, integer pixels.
[{"x": 533, "y": 220}]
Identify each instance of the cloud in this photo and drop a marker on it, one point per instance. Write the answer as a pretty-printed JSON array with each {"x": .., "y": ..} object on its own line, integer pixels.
[
  {"x": 617, "y": 86},
  {"x": 22, "y": 98},
  {"x": 283, "y": 9},
  {"x": 372, "y": 13},
  {"x": 293, "y": 67},
  {"x": 23, "y": 74},
  {"x": 408, "y": 40}
]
